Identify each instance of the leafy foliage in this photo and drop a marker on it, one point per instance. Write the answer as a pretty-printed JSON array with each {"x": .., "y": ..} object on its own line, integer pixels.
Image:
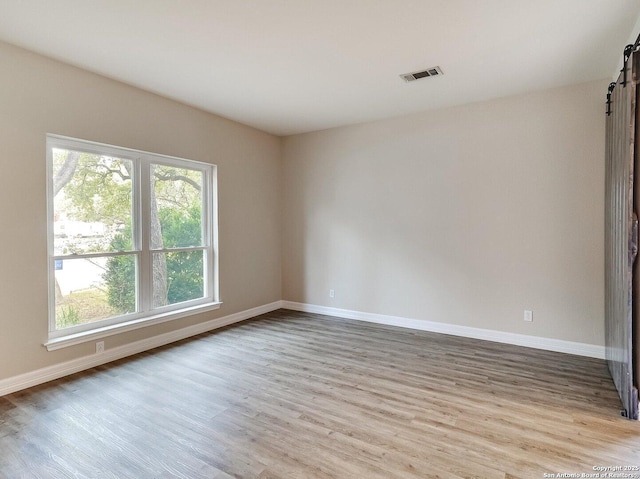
[
  {"x": 180, "y": 228},
  {"x": 120, "y": 276},
  {"x": 67, "y": 316},
  {"x": 100, "y": 189},
  {"x": 95, "y": 206}
]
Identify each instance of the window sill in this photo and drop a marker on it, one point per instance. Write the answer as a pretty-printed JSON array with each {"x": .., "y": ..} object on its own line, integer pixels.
[{"x": 78, "y": 338}]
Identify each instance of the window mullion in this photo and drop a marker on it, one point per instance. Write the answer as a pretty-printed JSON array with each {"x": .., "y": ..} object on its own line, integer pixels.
[
  {"x": 145, "y": 266},
  {"x": 50, "y": 234},
  {"x": 206, "y": 233},
  {"x": 211, "y": 279}
]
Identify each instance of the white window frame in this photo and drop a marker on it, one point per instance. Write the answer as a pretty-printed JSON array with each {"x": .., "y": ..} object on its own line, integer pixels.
[{"x": 146, "y": 314}]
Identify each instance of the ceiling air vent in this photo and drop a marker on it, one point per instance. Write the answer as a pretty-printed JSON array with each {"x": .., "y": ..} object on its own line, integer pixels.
[{"x": 429, "y": 72}]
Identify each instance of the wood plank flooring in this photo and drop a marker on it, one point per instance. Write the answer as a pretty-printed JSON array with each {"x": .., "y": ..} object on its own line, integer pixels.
[{"x": 294, "y": 395}]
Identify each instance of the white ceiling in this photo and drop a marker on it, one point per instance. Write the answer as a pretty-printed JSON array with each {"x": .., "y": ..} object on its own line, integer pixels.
[{"x": 291, "y": 66}]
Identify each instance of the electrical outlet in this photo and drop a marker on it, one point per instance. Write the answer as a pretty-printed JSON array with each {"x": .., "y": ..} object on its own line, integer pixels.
[
  {"x": 332, "y": 293},
  {"x": 100, "y": 347},
  {"x": 528, "y": 316}
]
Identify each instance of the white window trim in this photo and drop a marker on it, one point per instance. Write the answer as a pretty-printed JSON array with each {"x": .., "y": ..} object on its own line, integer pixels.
[
  {"x": 147, "y": 316},
  {"x": 85, "y": 336}
]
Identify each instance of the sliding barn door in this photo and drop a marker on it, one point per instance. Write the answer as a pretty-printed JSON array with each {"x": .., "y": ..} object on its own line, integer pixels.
[{"x": 621, "y": 238}]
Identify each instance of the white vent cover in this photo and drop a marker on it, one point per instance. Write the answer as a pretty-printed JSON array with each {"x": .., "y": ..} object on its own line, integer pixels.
[{"x": 429, "y": 72}]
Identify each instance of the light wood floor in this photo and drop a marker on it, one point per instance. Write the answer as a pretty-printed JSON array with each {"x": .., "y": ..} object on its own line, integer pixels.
[{"x": 293, "y": 395}]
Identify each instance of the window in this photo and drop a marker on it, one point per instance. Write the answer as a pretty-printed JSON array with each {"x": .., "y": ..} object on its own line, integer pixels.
[{"x": 132, "y": 238}]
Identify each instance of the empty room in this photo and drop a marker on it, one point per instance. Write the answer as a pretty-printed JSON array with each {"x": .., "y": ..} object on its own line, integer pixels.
[{"x": 319, "y": 239}]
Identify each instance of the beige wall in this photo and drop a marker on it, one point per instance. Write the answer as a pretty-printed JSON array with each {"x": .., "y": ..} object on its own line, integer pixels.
[
  {"x": 39, "y": 96},
  {"x": 467, "y": 215}
]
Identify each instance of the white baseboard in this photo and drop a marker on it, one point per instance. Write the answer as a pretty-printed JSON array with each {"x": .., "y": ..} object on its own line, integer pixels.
[
  {"x": 558, "y": 345},
  {"x": 49, "y": 373}
]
